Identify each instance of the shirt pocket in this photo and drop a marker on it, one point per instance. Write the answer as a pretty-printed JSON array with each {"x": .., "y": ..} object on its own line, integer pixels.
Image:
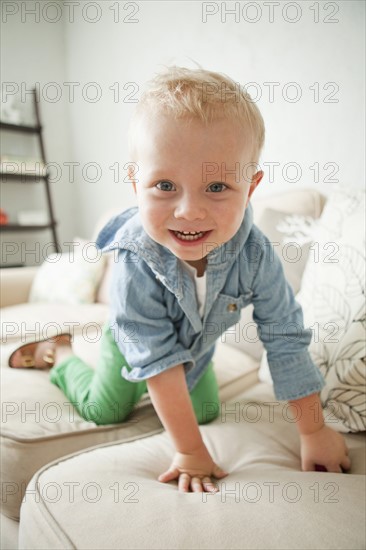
[{"x": 226, "y": 312}]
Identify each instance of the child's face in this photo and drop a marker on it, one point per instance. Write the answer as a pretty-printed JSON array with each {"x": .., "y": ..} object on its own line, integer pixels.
[{"x": 195, "y": 178}]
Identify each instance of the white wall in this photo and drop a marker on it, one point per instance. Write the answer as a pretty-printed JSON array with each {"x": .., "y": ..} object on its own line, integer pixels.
[
  {"x": 34, "y": 52},
  {"x": 310, "y": 133}
]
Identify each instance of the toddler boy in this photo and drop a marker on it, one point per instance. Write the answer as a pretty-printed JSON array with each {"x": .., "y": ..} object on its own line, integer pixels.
[{"x": 190, "y": 259}]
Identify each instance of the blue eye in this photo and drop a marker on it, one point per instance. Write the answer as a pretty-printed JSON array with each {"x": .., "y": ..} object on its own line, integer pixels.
[
  {"x": 165, "y": 185},
  {"x": 217, "y": 187}
]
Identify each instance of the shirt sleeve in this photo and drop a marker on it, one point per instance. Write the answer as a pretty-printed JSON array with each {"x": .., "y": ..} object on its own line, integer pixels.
[
  {"x": 139, "y": 322},
  {"x": 281, "y": 328}
]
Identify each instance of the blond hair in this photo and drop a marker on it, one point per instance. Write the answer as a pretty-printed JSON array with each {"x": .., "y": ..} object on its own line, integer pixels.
[{"x": 200, "y": 94}]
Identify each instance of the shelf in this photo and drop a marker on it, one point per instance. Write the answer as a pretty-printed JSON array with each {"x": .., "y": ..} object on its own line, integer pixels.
[
  {"x": 20, "y": 128},
  {"x": 5, "y": 266},
  {"x": 20, "y": 227},
  {"x": 27, "y": 170},
  {"x": 24, "y": 177}
]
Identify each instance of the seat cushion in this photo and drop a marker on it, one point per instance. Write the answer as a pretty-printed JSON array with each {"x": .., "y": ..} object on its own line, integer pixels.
[
  {"x": 109, "y": 496},
  {"x": 38, "y": 425}
]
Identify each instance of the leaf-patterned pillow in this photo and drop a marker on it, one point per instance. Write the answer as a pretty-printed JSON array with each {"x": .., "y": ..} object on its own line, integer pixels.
[{"x": 333, "y": 299}]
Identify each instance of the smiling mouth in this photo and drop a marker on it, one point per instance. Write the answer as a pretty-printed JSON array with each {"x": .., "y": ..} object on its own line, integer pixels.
[{"x": 189, "y": 235}]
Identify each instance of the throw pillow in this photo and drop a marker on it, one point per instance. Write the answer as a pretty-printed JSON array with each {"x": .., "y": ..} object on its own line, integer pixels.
[
  {"x": 71, "y": 277},
  {"x": 332, "y": 296}
]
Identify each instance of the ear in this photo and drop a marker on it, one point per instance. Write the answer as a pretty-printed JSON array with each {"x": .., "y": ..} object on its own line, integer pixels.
[{"x": 256, "y": 179}]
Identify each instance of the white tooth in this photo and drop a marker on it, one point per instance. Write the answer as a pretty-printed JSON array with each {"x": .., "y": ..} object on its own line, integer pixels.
[{"x": 189, "y": 235}]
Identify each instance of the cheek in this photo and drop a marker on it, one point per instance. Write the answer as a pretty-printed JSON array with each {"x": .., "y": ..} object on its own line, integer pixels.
[
  {"x": 152, "y": 214},
  {"x": 232, "y": 220},
  {"x": 232, "y": 212}
]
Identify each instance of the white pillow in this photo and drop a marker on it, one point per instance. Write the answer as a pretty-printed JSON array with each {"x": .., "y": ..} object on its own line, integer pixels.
[
  {"x": 332, "y": 296},
  {"x": 71, "y": 277}
]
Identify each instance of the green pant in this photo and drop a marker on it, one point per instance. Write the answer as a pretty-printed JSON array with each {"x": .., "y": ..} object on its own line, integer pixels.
[{"x": 103, "y": 396}]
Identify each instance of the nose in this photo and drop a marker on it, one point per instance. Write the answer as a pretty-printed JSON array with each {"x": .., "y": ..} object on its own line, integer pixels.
[{"x": 190, "y": 208}]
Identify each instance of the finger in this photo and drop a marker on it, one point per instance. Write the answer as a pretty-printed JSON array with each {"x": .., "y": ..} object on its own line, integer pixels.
[
  {"x": 196, "y": 485},
  {"x": 183, "y": 482},
  {"x": 308, "y": 466},
  {"x": 346, "y": 463},
  {"x": 334, "y": 469},
  {"x": 208, "y": 485},
  {"x": 169, "y": 475},
  {"x": 219, "y": 472}
]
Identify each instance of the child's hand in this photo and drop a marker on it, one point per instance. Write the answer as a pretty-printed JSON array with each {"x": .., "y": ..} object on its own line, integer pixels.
[
  {"x": 325, "y": 447},
  {"x": 193, "y": 471}
]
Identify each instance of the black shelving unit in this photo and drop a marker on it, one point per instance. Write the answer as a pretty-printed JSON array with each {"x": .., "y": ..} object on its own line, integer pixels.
[{"x": 31, "y": 178}]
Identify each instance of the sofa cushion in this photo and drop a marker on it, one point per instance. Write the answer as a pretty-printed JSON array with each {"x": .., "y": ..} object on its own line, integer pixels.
[
  {"x": 109, "y": 496},
  {"x": 38, "y": 424}
]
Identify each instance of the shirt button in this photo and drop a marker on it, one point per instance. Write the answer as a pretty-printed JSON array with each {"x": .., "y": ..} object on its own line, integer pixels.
[{"x": 232, "y": 307}]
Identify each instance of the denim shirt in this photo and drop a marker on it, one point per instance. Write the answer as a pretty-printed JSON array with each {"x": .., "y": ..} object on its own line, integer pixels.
[{"x": 154, "y": 312}]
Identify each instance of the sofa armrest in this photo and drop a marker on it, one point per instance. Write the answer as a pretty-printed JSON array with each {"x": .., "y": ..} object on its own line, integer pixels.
[{"x": 15, "y": 285}]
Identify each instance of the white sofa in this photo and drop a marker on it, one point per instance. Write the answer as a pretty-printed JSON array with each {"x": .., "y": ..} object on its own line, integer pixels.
[{"x": 89, "y": 486}]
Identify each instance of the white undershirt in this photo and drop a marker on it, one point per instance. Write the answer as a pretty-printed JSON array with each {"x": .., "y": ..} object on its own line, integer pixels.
[{"x": 200, "y": 283}]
